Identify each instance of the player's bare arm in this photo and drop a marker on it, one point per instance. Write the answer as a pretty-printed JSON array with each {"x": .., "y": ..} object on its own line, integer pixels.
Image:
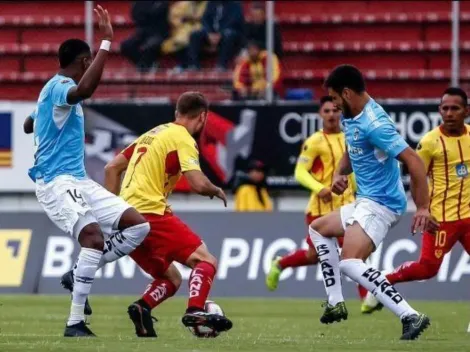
[
  {"x": 113, "y": 172},
  {"x": 419, "y": 190},
  {"x": 340, "y": 177},
  {"x": 28, "y": 125},
  {"x": 200, "y": 184},
  {"x": 92, "y": 76}
]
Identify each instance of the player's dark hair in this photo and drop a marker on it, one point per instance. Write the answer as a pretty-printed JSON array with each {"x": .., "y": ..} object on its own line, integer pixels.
[
  {"x": 458, "y": 92},
  {"x": 191, "y": 104},
  {"x": 70, "y": 50},
  {"x": 346, "y": 76},
  {"x": 325, "y": 99}
]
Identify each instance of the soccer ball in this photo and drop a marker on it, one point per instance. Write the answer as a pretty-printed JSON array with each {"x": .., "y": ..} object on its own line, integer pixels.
[{"x": 205, "y": 331}]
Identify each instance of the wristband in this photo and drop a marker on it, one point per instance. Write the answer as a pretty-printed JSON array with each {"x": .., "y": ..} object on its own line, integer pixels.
[{"x": 105, "y": 45}]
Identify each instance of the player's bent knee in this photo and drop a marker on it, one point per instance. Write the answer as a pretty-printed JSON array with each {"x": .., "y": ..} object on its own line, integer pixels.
[
  {"x": 130, "y": 217},
  {"x": 91, "y": 237}
]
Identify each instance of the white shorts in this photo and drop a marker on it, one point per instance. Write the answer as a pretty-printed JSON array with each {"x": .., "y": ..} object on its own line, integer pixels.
[
  {"x": 72, "y": 204},
  {"x": 375, "y": 219}
]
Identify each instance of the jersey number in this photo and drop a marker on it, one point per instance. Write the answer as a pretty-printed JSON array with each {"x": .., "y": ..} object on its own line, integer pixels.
[
  {"x": 441, "y": 237},
  {"x": 74, "y": 195},
  {"x": 141, "y": 151}
]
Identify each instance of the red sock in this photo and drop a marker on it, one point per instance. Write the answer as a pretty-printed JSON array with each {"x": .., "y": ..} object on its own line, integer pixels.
[
  {"x": 413, "y": 271},
  {"x": 158, "y": 291},
  {"x": 362, "y": 292},
  {"x": 296, "y": 259},
  {"x": 200, "y": 282}
]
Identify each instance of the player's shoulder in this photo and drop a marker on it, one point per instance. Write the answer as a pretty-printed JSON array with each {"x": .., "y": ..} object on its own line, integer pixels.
[
  {"x": 430, "y": 139},
  {"x": 314, "y": 139},
  {"x": 375, "y": 115}
]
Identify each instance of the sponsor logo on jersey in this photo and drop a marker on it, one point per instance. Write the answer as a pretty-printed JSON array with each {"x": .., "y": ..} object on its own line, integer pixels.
[
  {"x": 356, "y": 134},
  {"x": 355, "y": 150},
  {"x": 461, "y": 170},
  {"x": 14, "y": 248}
]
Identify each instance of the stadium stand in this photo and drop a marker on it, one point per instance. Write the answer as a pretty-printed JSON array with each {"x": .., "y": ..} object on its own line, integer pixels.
[{"x": 391, "y": 41}]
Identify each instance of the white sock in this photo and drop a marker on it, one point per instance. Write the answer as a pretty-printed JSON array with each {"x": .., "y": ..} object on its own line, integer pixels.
[
  {"x": 328, "y": 259},
  {"x": 376, "y": 282},
  {"x": 84, "y": 274},
  {"x": 123, "y": 242}
]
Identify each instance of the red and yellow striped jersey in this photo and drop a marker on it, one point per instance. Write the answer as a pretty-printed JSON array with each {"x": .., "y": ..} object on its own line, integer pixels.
[
  {"x": 320, "y": 156},
  {"x": 447, "y": 160}
]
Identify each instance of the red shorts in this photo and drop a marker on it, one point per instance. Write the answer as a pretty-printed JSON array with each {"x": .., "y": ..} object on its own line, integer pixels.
[
  {"x": 309, "y": 219},
  {"x": 169, "y": 240},
  {"x": 436, "y": 245}
]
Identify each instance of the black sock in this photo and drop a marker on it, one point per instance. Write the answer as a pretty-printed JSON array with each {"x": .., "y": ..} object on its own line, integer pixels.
[{"x": 143, "y": 304}]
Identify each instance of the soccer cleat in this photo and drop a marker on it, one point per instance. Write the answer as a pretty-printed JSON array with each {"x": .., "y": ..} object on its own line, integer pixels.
[
  {"x": 334, "y": 313},
  {"x": 272, "y": 279},
  {"x": 214, "y": 321},
  {"x": 370, "y": 304},
  {"x": 414, "y": 325},
  {"x": 67, "y": 282},
  {"x": 78, "y": 330},
  {"x": 142, "y": 320}
]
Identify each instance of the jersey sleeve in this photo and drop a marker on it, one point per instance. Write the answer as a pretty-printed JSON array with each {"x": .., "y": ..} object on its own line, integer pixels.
[
  {"x": 60, "y": 90},
  {"x": 188, "y": 155},
  {"x": 128, "y": 151},
  {"x": 425, "y": 150},
  {"x": 305, "y": 161},
  {"x": 34, "y": 114},
  {"x": 384, "y": 136}
]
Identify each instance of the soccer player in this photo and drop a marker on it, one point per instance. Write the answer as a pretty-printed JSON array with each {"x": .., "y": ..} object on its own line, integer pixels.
[
  {"x": 445, "y": 152},
  {"x": 76, "y": 204},
  {"x": 319, "y": 157},
  {"x": 373, "y": 146},
  {"x": 154, "y": 164}
]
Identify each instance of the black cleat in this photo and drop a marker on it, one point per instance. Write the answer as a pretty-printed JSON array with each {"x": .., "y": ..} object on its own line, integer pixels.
[
  {"x": 78, "y": 330},
  {"x": 67, "y": 282},
  {"x": 414, "y": 325},
  {"x": 334, "y": 313},
  {"x": 142, "y": 320},
  {"x": 214, "y": 321}
]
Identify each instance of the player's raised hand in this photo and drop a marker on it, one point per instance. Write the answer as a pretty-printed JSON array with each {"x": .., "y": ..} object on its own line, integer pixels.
[
  {"x": 104, "y": 22},
  {"x": 422, "y": 221},
  {"x": 340, "y": 184},
  {"x": 221, "y": 195}
]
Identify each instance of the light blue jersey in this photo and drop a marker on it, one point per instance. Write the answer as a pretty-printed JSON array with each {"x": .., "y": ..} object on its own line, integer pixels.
[
  {"x": 373, "y": 144},
  {"x": 59, "y": 134}
]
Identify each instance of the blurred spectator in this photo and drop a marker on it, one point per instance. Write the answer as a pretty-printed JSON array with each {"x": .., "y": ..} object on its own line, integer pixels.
[
  {"x": 250, "y": 189},
  {"x": 256, "y": 29},
  {"x": 185, "y": 18},
  {"x": 249, "y": 78},
  {"x": 152, "y": 28},
  {"x": 222, "y": 29}
]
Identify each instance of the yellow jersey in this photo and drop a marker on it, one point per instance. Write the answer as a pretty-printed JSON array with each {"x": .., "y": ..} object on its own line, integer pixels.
[
  {"x": 447, "y": 160},
  {"x": 156, "y": 161},
  {"x": 320, "y": 156},
  {"x": 252, "y": 198}
]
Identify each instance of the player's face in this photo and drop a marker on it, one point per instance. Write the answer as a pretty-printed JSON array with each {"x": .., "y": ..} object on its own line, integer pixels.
[
  {"x": 330, "y": 115},
  {"x": 453, "y": 112},
  {"x": 340, "y": 101}
]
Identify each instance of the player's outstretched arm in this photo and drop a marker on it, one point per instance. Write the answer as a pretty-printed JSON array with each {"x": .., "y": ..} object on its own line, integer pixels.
[
  {"x": 28, "y": 125},
  {"x": 200, "y": 184},
  {"x": 113, "y": 171},
  {"x": 92, "y": 76},
  {"x": 419, "y": 190}
]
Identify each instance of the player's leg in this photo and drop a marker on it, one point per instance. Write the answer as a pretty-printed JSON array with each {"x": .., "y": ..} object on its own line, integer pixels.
[
  {"x": 300, "y": 257},
  {"x": 433, "y": 248},
  {"x": 368, "y": 226},
  {"x": 65, "y": 205},
  {"x": 323, "y": 232},
  {"x": 163, "y": 286}
]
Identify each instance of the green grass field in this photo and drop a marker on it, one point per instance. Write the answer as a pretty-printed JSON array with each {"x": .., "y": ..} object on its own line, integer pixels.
[{"x": 36, "y": 323}]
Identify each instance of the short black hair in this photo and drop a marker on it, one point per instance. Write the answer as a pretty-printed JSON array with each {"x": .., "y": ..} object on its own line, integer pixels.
[
  {"x": 191, "y": 104},
  {"x": 70, "y": 50},
  {"x": 325, "y": 99},
  {"x": 346, "y": 76},
  {"x": 457, "y": 91}
]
